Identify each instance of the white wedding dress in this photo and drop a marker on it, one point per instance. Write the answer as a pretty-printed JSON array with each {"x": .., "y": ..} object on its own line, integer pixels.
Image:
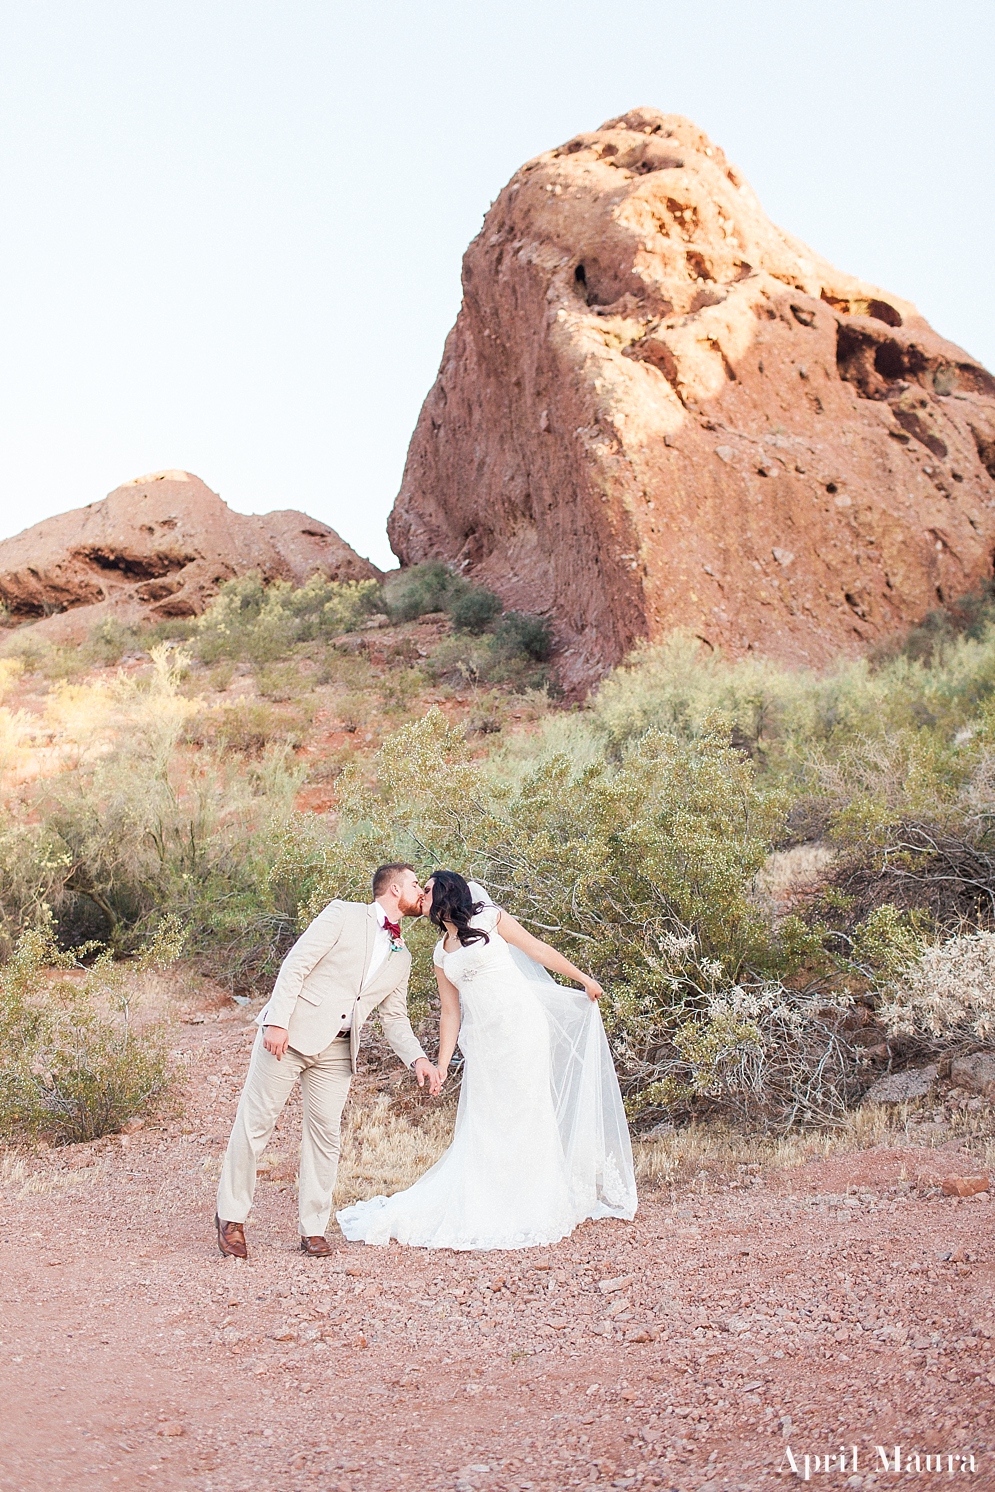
[{"x": 541, "y": 1140}]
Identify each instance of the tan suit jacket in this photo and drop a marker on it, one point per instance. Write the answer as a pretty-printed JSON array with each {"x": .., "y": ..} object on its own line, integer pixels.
[{"x": 320, "y": 985}]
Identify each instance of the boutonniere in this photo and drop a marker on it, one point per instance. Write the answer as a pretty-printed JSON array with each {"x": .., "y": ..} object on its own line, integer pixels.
[
  {"x": 393, "y": 931},
  {"x": 396, "y": 943}
]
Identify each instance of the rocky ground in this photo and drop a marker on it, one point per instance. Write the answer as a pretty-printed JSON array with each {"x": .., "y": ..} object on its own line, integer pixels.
[{"x": 843, "y": 1303}]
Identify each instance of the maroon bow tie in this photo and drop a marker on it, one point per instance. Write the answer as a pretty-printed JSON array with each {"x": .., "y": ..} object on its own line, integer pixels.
[{"x": 394, "y": 928}]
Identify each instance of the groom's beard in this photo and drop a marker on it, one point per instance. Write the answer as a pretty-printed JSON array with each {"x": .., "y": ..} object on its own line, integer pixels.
[{"x": 409, "y": 908}]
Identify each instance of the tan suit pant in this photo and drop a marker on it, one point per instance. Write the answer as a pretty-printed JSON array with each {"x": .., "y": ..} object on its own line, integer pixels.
[{"x": 324, "y": 1083}]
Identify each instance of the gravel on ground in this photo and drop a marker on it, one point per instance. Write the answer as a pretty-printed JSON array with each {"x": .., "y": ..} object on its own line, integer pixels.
[{"x": 841, "y": 1309}]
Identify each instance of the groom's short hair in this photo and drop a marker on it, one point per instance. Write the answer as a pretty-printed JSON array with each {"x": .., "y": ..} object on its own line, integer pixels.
[{"x": 384, "y": 874}]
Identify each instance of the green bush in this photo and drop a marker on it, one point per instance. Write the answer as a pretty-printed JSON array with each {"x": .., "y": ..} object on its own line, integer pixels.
[
  {"x": 433, "y": 587},
  {"x": 474, "y": 609},
  {"x": 249, "y": 619},
  {"x": 76, "y": 1066},
  {"x": 487, "y": 661},
  {"x": 136, "y": 827},
  {"x": 422, "y": 589},
  {"x": 248, "y": 726},
  {"x": 521, "y": 633},
  {"x": 487, "y": 646}
]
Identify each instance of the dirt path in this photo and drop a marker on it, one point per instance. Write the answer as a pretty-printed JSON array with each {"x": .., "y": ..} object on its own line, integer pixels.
[{"x": 814, "y": 1308}]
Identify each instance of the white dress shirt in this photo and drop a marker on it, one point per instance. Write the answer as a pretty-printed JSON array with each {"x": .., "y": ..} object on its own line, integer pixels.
[
  {"x": 381, "y": 945},
  {"x": 381, "y": 948}
]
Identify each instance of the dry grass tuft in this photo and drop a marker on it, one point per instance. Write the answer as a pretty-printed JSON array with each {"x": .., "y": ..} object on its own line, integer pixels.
[
  {"x": 692, "y": 1156},
  {"x": 383, "y": 1152},
  {"x": 788, "y": 874},
  {"x": 18, "y": 1175}
]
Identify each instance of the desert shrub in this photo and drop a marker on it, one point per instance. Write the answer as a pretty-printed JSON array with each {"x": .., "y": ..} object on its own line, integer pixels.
[
  {"x": 422, "y": 589},
  {"x": 399, "y": 687},
  {"x": 796, "y": 721},
  {"x": 640, "y": 870},
  {"x": 947, "y": 996},
  {"x": 625, "y": 866},
  {"x": 77, "y": 1064},
  {"x": 135, "y": 827},
  {"x": 14, "y": 725},
  {"x": 969, "y": 616},
  {"x": 473, "y": 609},
  {"x": 106, "y": 644},
  {"x": 248, "y": 726},
  {"x": 432, "y": 587},
  {"x": 497, "y": 658},
  {"x": 760, "y": 1054},
  {"x": 252, "y": 620},
  {"x": 34, "y": 653},
  {"x": 522, "y": 633}
]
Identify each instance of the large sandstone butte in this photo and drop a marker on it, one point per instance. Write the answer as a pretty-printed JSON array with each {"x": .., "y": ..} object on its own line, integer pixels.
[
  {"x": 159, "y": 546},
  {"x": 657, "y": 409}
]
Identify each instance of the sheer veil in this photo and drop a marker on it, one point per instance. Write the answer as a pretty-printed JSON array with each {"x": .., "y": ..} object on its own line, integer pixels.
[{"x": 589, "y": 1113}]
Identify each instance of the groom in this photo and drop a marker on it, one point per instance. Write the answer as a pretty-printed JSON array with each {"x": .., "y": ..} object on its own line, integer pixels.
[{"x": 350, "y": 961}]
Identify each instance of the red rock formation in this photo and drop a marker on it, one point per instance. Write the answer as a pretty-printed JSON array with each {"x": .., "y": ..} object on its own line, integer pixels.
[
  {"x": 159, "y": 546},
  {"x": 658, "y": 409}
]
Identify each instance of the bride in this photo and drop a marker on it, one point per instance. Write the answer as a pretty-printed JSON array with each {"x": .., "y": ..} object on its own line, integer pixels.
[{"x": 541, "y": 1142}]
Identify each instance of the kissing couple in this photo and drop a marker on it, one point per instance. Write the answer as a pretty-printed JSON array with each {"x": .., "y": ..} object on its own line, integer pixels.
[{"x": 541, "y": 1142}]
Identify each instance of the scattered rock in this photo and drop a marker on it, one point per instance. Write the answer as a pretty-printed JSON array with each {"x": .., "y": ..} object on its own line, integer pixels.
[
  {"x": 609, "y": 1287},
  {"x": 976, "y": 1073},
  {"x": 171, "y": 1427},
  {"x": 653, "y": 316},
  {"x": 897, "y": 1087},
  {"x": 965, "y": 1186}
]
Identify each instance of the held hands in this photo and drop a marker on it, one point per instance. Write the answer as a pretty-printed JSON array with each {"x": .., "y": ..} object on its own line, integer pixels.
[
  {"x": 276, "y": 1039},
  {"x": 426, "y": 1073}
]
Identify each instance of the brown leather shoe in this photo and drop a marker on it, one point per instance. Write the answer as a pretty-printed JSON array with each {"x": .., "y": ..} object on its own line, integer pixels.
[
  {"x": 318, "y": 1248},
  {"x": 231, "y": 1239}
]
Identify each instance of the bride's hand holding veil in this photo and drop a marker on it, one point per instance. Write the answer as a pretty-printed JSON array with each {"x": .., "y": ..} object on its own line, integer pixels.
[{"x": 514, "y": 933}]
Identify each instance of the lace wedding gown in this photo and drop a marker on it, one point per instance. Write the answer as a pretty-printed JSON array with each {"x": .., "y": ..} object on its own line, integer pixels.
[{"x": 541, "y": 1141}]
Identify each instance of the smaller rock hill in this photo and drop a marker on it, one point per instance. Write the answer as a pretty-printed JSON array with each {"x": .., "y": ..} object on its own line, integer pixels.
[{"x": 159, "y": 547}]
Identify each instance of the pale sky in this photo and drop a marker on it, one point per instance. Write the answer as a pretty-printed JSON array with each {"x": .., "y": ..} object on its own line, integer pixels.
[{"x": 232, "y": 230}]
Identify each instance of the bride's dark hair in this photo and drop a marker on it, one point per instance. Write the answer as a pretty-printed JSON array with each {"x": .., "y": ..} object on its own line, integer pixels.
[{"x": 452, "y": 902}]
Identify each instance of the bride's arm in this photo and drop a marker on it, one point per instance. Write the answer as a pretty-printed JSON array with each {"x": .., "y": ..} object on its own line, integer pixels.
[
  {"x": 513, "y": 932},
  {"x": 449, "y": 1021}
]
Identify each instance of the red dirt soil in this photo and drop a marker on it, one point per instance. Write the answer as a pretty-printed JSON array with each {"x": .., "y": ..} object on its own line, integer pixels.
[{"x": 815, "y": 1308}]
